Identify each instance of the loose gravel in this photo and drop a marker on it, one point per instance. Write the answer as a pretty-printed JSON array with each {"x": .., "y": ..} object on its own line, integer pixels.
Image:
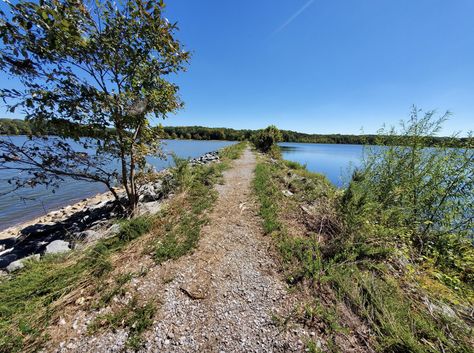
[{"x": 225, "y": 296}]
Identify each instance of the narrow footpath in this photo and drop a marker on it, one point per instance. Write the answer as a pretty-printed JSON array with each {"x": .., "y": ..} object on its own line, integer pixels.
[{"x": 225, "y": 296}]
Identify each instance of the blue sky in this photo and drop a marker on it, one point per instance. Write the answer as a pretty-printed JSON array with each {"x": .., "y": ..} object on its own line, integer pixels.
[{"x": 324, "y": 66}]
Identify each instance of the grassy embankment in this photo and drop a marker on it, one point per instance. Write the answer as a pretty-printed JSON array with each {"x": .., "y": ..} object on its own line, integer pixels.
[
  {"x": 363, "y": 285},
  {"x": 33, "y": 298}
]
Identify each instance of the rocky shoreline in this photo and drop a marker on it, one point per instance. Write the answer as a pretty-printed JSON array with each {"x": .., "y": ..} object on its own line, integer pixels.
[{"x": 81, "y": 223}]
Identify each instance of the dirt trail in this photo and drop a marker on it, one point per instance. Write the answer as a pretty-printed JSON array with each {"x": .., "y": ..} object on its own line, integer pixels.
[{"x": 224, "y": 296}]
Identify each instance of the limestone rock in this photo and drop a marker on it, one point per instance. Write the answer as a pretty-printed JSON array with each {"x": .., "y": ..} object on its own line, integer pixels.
[
  {"x": 57, "y": 247},
  {"x": 149, "y": 208},
  {"x": 113, "y": 230}
]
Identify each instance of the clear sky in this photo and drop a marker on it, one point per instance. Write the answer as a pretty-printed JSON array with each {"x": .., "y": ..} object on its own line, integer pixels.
[{"x": 324, "y": 66}]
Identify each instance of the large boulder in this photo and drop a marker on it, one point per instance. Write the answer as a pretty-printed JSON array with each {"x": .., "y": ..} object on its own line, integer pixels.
[
  {"x": 89, "y": 235},
  {"x": 147, "y": 193},
  {"x": 57, "y": 247}
]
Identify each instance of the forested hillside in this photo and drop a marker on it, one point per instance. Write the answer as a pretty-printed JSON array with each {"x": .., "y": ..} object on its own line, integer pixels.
[{"x": 22, "y": 127}]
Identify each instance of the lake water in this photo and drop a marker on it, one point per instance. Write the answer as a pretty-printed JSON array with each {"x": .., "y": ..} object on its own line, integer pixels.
[
  {"x": 28, "y": 203},
  {"x": 335, "y": 161}
]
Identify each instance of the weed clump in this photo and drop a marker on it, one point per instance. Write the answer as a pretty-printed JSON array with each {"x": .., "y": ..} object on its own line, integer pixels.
[{"x": 134, "y": 316}]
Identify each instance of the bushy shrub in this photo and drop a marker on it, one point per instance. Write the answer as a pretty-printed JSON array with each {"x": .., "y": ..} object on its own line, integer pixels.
[
  {"x": 265, "y": 140},
  {"x": 421, "y": 197}
]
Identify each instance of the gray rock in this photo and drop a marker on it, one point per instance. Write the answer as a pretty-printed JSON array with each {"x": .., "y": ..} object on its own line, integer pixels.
[
  {"x": 113, "y": 230},
  {"x": 149, "y": 208},
  {"x": 287, "y": 193},
  {"x": 3, "y": 251},
  {"x": 205, "y": 159},
  {"x": 19, "y": 264},
  {"x": 57, "y": 247},
  {"x": 447, "y": 311},
  {"x": 89, "y": 235},
  {"x": 99, "y": 205},
  {"x": 150, "y": 192},
  {"x": 440, "y": 308},
  {"x": 158, "y": 185}
]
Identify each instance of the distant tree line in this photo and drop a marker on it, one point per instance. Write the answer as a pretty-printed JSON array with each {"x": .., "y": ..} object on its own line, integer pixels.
[
  {"x": 58, "y": 127},
  {"x": 22, "y": 127},
  {"x": 15, "y": 127}
]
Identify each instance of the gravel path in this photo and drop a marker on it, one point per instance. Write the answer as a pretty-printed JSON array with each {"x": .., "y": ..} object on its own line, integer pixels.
[
  {"x": 221, "y": 298},
  {"x": 224, "y": 295}
]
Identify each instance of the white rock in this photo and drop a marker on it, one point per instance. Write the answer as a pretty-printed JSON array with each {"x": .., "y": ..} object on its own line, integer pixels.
[
  {"x": 114, "y": 229},
  {"x": 57, "y": 247},
  {"x": 287, "y": 193},
  {"x": 149, "y": 208}
]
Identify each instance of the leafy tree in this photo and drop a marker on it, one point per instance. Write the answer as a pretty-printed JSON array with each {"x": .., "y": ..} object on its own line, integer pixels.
[
  {"x": 265, "y": 140},
  {"x": 99, "y": 66}
]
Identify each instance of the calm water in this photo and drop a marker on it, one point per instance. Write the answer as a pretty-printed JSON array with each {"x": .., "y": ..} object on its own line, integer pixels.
[
  {"x": 29, "y": 203},
  {"x": 335, "y": 161}
]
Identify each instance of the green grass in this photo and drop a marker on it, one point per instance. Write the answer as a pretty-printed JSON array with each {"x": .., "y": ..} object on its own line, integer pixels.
[
  {"x": 117, "y": 289},
  {"x": 268, "y": 194},
  {"x": 233, "y": 151},
  {"x": 30, "y": 299},
  {"x": 294, "y": 165},
  {"x": 400, "y": 323},
  {"x": 312, "y": 347},
  {"x": 300, "y": 256},
  {"x": 358, "y": 273}
]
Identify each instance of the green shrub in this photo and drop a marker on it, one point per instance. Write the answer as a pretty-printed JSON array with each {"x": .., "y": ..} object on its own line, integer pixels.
[
  {"x": 357, "y": 258},
  {"x": 266, "y": 140},
  {"x": 134, "y": 228},
  {"x": 294, "y": 165},
  {"x": 413, "y": 195}
]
